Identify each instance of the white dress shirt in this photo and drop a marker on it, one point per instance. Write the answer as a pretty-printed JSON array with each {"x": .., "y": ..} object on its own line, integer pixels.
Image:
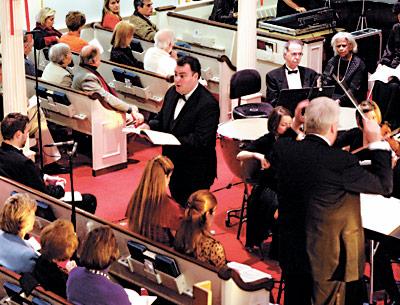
[{"x": 182, "y": 102}]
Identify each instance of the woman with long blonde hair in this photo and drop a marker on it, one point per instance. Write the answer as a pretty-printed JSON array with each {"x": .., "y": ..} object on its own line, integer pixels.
[
  {"x": 151, "y": 212},
  {"x": 193, "y": 237}
]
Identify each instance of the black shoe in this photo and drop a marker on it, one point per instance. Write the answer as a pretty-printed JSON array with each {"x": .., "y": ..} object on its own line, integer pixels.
[{"x": 54, "y": 168}]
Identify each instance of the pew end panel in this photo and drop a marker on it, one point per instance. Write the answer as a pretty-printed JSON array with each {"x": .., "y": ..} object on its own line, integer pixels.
[
  {"x": 109, "y": 147},
  {"x": 92, "y": 117}
]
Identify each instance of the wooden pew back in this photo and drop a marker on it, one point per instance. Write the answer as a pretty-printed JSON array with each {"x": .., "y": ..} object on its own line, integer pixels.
[
  {"x": 9, "y": 276},
  {"x": 90, "y": 117}
]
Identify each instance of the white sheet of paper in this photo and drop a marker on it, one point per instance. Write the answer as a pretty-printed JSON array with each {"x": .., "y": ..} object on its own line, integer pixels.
[
  {"x": 68, "y": 196},
  {"x": 380, "y": 214},
  {"x": 155, "y": 137},
  {"x": 247, "y": 273},
  {"x": 137, "y": 299}
]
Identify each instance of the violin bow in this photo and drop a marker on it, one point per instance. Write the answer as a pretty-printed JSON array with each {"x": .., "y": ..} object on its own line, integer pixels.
[{"x": 350, "y": 96}]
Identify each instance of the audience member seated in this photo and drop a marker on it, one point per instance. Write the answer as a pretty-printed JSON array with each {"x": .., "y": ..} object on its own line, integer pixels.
[
  {"x": 29, "y": 65},
  {"x": 57, "y": 70},
  {"x": 145, "y": 29},
  {"x": 111, "y": 14},
  {"x": 224, "y": 11},
  {"x": 348, "y": 68},
  {"x": 263, "y": 201},
  {"x": 17, "y": 218},
  {"x": 121, "y": 51},
  {"x": 14, "y": 165},
  {"x": 151, "y": 212},
  {"x": 74, "y": 20},
  {"x": 90, "y": 284},
  {"x": 161, "y": 58},
  {"x": 47, "y": 35},
  {"x": 50, "y": 154},
  {"x": 387, "y": 94},
  {"x": 88, "y": 79},
  {"x": 58, "y": 243},
  {"x": 194, "y": 237}
]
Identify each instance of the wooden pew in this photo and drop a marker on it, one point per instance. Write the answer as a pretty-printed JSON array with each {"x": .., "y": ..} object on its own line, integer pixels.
[
  {"x": 9, "y": 276},
  {"x": 193, "y": 270},
  {"x": 216, "y": 69},
  {"x": 90, "y": 117}
]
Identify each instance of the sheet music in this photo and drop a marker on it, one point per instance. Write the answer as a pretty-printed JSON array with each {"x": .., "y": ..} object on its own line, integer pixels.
[
  {"x": 381, "y": 214},
  {"x": 383, "y": 73},
  {"x": 247, "y": 273},
  {"x": 155, "y": 137}
]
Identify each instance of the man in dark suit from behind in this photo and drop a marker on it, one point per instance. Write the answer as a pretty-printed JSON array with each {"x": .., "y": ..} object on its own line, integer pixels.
[
  {"x": 290, "y": 75},
  {"x": 191, "y": 114},
  {"x": 319, "y": 186}
]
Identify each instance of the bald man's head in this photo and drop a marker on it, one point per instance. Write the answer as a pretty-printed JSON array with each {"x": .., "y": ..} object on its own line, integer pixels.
[{"x": 90, "y": 55}]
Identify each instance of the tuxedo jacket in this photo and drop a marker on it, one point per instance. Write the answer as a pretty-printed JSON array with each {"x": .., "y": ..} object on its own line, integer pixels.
[
  {"x": 14, "y": 165},
  {"x": 276, "y": 81},
  {"x": 319, "y": 206},
  {"x": 195, "y": 127}
]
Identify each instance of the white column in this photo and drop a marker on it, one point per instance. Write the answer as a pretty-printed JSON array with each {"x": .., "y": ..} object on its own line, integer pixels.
[
  {"x": 247, "y": 35},
  {"x": 14, "y": 84}
]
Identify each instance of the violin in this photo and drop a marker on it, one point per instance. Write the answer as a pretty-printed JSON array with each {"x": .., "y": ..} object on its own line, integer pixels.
[{"x": 389, "y": 136}]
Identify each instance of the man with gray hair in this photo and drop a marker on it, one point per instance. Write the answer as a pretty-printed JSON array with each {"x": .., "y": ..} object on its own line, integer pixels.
[
  {"x": 290, "y": 75},
  {"x": 161, "y": 58},
  {"x": 319, "y": 186},
  {"x": 88, "y": 79}
]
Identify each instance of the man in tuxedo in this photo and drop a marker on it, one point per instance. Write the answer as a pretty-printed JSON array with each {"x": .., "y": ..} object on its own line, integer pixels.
[
  {"x": 319, "y": 186},
  {"x": 290, "y": 75},
  {"x": 191, "y": 114}
]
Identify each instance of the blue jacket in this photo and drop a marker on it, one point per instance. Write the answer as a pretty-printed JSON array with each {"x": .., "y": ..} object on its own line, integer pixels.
[{"x": 16, "y": 254}]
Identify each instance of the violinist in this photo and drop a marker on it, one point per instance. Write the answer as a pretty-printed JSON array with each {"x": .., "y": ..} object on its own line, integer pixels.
[{"x": 353, "y": 139}]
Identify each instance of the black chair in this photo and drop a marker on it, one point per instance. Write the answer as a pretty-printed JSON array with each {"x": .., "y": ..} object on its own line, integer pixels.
[{"x": 245, "y": 82}]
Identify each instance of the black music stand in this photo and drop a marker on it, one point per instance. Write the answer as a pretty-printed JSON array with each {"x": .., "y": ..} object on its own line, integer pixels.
[
  {"x": 362, "y": 20},
  {"x": 71, "y": 178},
  {"x": 40, "y": 148},
  {"x": 289, "y": 98}
]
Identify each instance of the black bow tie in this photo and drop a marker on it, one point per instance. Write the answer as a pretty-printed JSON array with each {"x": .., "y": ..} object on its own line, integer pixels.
[
  {"x": 292, "y": 71},
  {"x": 182, "y": 96}
]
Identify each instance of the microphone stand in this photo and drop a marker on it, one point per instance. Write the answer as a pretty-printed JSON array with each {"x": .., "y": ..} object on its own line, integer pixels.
[
  {"x": 71, "y": 178},
  {"x": 33, "y": 33}
]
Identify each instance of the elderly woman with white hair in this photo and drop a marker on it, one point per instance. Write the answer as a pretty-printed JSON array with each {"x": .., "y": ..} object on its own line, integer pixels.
[
  {"x": 46, "y": 35},
  {"x": 348, "y": 68},
  {"x": 57, "y": 70}
]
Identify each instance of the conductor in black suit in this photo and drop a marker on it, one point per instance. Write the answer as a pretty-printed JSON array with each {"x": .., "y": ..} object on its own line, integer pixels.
[
  {"x": 290, "y": 75},
  {"x": 319, "y": 188},
  {"x": 191, "y": 114}
]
